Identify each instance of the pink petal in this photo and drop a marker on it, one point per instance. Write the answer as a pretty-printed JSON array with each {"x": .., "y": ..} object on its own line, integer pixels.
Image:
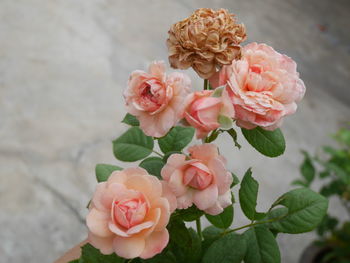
[
  {"x": 152, "y": 189},
  {"x": 128, "y": 247},
  {"x": 138, "y": 228},
  {"x": 116, "y": 229},
  {"x": 155, "y": 243},
  {"x": 173, "y": 162},
  {"x": 104, "y": 244},
  {"x": 204, "y": 152},
  {"x": 97, "y": 222},
  {"x": 169, "y": 195},
  {"x": 176, "y": 183},
  {"x": 206, "y": 198},
  {"x": 157, "y": 69},
  {"x": 222, "y": 177},
  {"x": 163, "y": 204},
  {"x": 186, "y": 200}
]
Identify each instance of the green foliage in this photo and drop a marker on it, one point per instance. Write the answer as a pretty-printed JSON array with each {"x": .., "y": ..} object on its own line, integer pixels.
[
  {"x": 232, "y": 132},
  {"x": 230, "y": 248},
  {"x": 269, "y": 143},
  {"x": 190, "y": 214},
  {"x": 223, "y": 220},
  {"x": 89, "y": 254},
  {"x": 103, "y": 171},
  {"x": 131, "y": 120},
  {"x": 176, "y": 139},
  {"x": 153, "y": 165},
  {"x": 133, "y": 145},
  {"x": 307, "y": 169},
  {"x": 305, "y": 211},
  {"x": 235, "y": 180},
  {"x": 262, "y": 245},
  {"x": 248, "y": 195}
]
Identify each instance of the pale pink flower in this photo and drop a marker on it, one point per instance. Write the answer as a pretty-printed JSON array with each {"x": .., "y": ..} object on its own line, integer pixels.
[
  {"x": 156, "y": 98},
  {"x": 202, "y": 110},
  {"x": 201, "y": 180},
  {"x": 129, "y": 213},
  {"x": 264, "y": 86}
]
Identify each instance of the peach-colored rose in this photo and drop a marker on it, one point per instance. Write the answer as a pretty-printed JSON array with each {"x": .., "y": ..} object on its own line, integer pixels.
[
  {"x": 129, "y": 214},
  {"x": 205, "y": 41},
  {"x": 202, "y": 111},
  {"x": 264, "y": 86},
  {"x": 156, "y": 98},
  {"x": 201, "y": 180}
]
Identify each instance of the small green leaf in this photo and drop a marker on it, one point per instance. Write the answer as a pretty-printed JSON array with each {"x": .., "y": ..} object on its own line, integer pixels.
[
  {"x": 269, "y": 143},
  {"x": 248, "y": 194},
  {"x": 300, "y": 183},
  {"x": 89, "y": 254},
  {"x": 179, "y": 234},
  {"x": 133, "y": 145},
  {"x": 233, "y": 135},
  {"x": 131, "y": 120},
  {"x": 193, "y": 251},
  {"x": 235, "y": 180},
  {"x": 303, "y": 211},
  {"x": 218, "y": 91},
  {"x": 223, "y": 220},
  {"x": 210, "y": 234},
  {"x": 307, "y": 169},
  {"x": 164, "y": 257},
  {"x": 230, "y": 248},
  {"x": 176, "y": 139},
  {"x": 262, "y": 245},
  {"x": 153, "y": 165},
  {"x": 190, "y": 214},
  {"x": 225, "y": 122},
  {"x": 212, "y": 137},
  {"x": 103, "y": 171}
]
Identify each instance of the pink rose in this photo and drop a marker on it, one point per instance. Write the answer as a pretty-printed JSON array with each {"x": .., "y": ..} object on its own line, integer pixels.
[
  {"x": 264, "y": 86},
  {"x": 129, "y": 214},
  {"x": 201, "y": 180},
  {"x": 156, "y": 99},
  {"x": 202, "y": 111}
]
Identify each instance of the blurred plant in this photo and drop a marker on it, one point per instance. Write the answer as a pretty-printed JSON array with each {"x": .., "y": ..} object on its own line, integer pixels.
[{"x": 334, "y": 172}]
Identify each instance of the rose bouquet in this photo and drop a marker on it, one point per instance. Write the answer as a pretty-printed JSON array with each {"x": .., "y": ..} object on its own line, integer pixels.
[{"x": 139, "y": 214}]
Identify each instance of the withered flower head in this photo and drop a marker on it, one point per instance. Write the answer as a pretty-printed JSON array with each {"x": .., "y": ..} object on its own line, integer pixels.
[{"x": 205, "y": 41}]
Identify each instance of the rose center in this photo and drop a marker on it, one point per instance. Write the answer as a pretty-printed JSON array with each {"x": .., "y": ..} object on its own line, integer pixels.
[
  {"x": 130, "y": 212},
  {"x": 198, "y": 176}
]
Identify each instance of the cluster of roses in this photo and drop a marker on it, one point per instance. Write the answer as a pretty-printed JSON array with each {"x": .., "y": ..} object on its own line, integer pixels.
[{"x": 251, "y": 85}]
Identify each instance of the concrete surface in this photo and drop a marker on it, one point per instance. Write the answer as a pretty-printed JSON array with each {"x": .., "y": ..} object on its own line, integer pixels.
[{"x": 63, "y": 66}]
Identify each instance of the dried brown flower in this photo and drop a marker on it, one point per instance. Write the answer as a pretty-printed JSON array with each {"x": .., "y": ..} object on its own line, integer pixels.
[{"x": 205, "y": 41}]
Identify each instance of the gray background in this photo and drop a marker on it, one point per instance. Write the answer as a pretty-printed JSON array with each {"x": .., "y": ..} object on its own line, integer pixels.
[{"x": 63, "y": 67}]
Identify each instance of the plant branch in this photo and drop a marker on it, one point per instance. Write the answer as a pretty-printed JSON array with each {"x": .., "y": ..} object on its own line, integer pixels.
[
  {"x": 158, "y": 153},
  {"x": 199, "y": 228},
  {"x": 206, "y": 84}
]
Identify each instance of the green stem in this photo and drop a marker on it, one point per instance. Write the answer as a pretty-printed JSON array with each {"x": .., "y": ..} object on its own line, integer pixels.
[
  {"x": 158, "y": 153},
  {"x": 199, "y": 228},
  {"x": 253, "y": 224},
  {"x": 206, "y": 84}
]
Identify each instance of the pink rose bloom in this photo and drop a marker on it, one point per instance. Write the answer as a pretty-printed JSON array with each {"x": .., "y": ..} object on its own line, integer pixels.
[
  {"x": 156, "y": 98},
  {"x": 202, "y": 111},
  {"x": 129, "y": 214},
  {"x": 264, "y": 86},
  {"x": 202, "y": 180}
]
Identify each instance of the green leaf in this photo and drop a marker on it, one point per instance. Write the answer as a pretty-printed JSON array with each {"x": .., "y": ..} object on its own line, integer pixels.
[
  {"x": 262, "y": 245},
  {"x": 225, "y": 122},
  {"x": 153, "y": 165},
  {"x": 303, "y": 211},
  {"x": 210, "y": 234},
  {"x": 164, "y": 257},
  {"x": 223, "y": 220},
  {"x": 233, "y": 135},
  {"x": 300, "y": 183},
  {"x": 218, "y": 91},
  {"x": 190, "y": 214},
  {"x": 176, "y": 139},
  {"x": 339, "y": 172},
  {"x": 307, "y": 169},
  {"x": 75, "y": 261},
  {"x": 179, "y": 234},
  {"x": 248, "y": 194},
  {"x": 103, "y": 171},
  {"x": 269, "y": 143},
  {"x": 235, "y": 180},
  {"x": 193, "y": 251},
  {"x": 89, "y": 254},
  {"x": 230, "y": 248},
  {"x": 133, "y": 145},
  {"x": 131, "y": 120},
  {"x": 212, "y": 137}
]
